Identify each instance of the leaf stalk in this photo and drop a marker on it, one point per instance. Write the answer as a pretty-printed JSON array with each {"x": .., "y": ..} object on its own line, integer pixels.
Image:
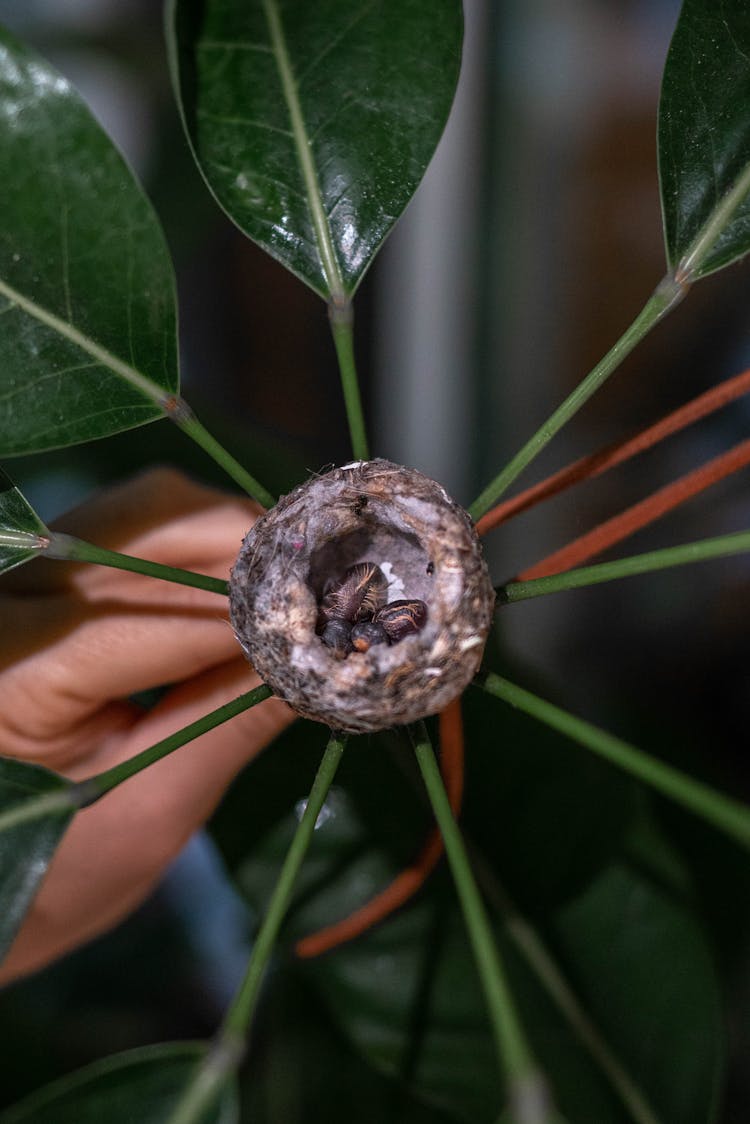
[
  {"x": 665, "y": 297},
  {"x": 95, "y": 787},
  {"x": 228, "y": 1047},
  {"x": 719, "y": 547},
  {"x": 529, "y": 1101},
  {"x": 178, "y": 411},
  {"x": 342, "y": 324},
  {"x": 70, "y": 549},
  {"x": 721, "y": 811}
]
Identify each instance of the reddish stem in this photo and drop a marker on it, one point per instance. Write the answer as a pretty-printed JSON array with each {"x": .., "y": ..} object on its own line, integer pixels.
[
  {"x": 410, "y": 880},
  {"x": 609, "y": 456},
  {"x": 640, "y": 514}
]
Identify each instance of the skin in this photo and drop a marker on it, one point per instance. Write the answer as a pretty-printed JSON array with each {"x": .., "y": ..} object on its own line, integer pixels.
[{"x": 76, "y": 641}]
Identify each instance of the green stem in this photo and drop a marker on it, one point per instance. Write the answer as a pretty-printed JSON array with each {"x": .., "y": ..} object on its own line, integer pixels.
[
  {"x": 68, "y": 548},
  {"x": 227, "y": 1051},
  {"x": 533, "y": 950},
  {"x": 526, "y": 1085},
  {"x": 205, "y": 1087},
  {"x": 719, "y": 547},
  {"x": 241, "y": 1011},
  {"x": 342, "y": 323},
  {"x": 728, "y": 815},
  {"x": 181, "y": 414},
  {"x": 665, "y": 297},
  {"x": 95, "y": 787}
]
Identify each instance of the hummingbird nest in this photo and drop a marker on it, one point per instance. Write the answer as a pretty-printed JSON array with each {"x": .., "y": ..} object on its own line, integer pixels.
[{"x": 371, "y": 550}]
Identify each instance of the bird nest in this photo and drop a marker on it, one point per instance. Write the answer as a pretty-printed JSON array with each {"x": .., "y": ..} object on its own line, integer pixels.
[{"x": 382, "y": 551}]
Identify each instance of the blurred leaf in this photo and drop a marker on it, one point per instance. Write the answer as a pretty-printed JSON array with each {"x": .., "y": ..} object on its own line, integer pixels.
[
  {"x": 288, "y": 1076},
  {"x": 545, "y": 812},
  {"x": 20, "y": 527},
  {"x": 314, "y": 123},
  {"x": 640, "y": 962},
  {"x": 36, "y": 807},
  {"x": 140, "y": 1085},
  {"x": 704, "y": 127},
  {"x": 87, "y": 306},
  {"x": 406, "y": 994}
]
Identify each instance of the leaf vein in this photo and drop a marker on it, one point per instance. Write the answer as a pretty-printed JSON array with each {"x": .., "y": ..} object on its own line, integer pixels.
[
  {"x": 33, "y": 384},
  {"x": 356, "y": 18},
  {"x": 99, "y": 353},
  {"x": 243, "y": 45},
  {"x": 253, "y": 123}
]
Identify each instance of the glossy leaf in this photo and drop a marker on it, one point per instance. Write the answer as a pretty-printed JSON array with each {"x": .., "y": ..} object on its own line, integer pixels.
[
  {"x": 140, "y": 1085},
  {"x": 704, "y": 128},
  {"x": 87, "y": 307},
  {"x": 21, "y": 529},
  {"x": 313, "y": 123},
  {"x": 36, "y": 806}
]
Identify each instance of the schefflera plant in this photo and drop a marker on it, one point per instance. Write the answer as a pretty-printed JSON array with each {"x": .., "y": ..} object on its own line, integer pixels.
[{"x": 312, "y": 125}]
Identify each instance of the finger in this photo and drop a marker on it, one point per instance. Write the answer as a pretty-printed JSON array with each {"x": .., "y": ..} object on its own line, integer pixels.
[
  {"x": 114, "y": 851},
  {"x": 53, "y": 692},
  {"x": 145, "y": 517}
]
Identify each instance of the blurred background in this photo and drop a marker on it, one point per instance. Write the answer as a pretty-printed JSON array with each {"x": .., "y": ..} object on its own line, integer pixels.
[{"x": 532, "y": 243}]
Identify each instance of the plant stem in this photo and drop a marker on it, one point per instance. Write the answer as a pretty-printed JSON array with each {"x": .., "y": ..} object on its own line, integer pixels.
[
  {"x": 728, "y": 815},
  {"x": 227, "y": 1051},
  {"x": 241, "y": 1011},
  {"x": 178, "y": 411},
  {"x": 665, "y": 297},
  {"x": 205, "y": 1087},
  {"x": 533, "y": 950},
  {"x": 719, "y": 547},
  {"x": 341, "y": 316},
  {"x": 68, "y": 548},
  {"x": 94, "y": 787},
  {"x": 527, "y": 1089}
]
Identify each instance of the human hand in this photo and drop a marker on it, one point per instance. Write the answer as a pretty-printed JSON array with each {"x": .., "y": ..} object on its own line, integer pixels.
[{"x": 77, "y": 640}]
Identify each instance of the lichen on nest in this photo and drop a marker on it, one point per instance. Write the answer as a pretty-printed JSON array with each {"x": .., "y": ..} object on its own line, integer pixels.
[{"x": 425, "y": 545}]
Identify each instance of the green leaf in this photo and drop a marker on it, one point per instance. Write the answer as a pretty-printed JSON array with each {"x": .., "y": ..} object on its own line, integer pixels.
[
  {"x": 313, "y": 123},
  {"x": 529, "y": 805},
  {"x": 296, "y": 1048},
  {"x": 140, "y": 1085},
  {"x": 36, "y": 807},
  {"x": 641, "y": 965},
  {"x": 87, "y": 307},
  {"x": 704, "y": 132},
  {"x": 406, "y": 994},
  {"x": 22, "y": 533},
  {"x": 637, "y": 961}
]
